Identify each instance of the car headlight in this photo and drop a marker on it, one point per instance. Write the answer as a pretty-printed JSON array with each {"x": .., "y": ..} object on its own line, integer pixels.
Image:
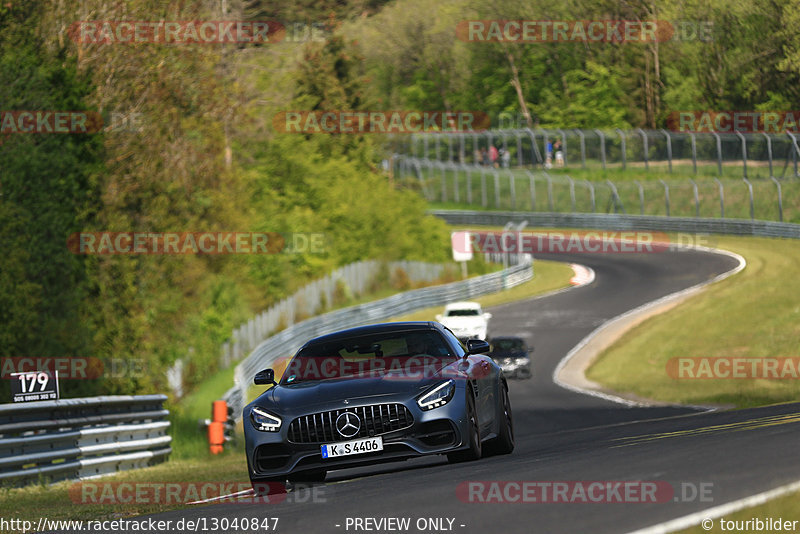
[
  {"x": 438, "y": 396},
  {"x": 264, "y": 421}
]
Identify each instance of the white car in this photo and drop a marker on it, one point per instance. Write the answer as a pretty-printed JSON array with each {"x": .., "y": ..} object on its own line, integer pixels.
[{"x": 466, "y": 320}]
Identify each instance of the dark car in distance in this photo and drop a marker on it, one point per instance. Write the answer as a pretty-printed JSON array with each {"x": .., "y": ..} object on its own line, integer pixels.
[
  {"x": 512, "y": 354},
  {"x": 373, "y": 394}
]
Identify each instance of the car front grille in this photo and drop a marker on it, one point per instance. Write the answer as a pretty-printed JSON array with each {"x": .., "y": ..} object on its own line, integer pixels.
[{"x": 376, "y": 419}]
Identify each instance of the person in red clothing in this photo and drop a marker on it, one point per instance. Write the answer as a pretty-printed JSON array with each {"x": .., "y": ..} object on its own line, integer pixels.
[{"x": 493, "y": 155}]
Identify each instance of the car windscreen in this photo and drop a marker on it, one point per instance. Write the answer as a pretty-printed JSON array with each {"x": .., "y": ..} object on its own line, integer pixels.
[
  {"x": 462, "y": 313},
  {"x": 399, "y": 354},
  {"x": 508, "y": 345}
]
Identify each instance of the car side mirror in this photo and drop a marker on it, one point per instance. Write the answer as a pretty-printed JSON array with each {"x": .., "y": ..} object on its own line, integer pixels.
[
  {"x": 267, "y": 376},
  {"x": 477, "y": 346},
  {"x": 487, "y": 316}
]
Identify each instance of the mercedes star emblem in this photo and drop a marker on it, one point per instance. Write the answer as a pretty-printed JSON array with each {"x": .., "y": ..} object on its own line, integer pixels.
[{"x": 348, "y": 424}]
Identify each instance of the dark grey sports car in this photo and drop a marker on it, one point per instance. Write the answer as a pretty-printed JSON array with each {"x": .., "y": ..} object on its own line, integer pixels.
[{"x": 377, "y": 393}]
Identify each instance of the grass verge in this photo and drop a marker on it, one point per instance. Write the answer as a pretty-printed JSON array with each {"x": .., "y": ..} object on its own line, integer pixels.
[{"x": 754, "y": 314}]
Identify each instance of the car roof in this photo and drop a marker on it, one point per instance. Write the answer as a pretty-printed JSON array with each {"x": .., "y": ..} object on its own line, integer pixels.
[
  {"x": 463, "y": 305},
  {"x": 377, "y": 329}
]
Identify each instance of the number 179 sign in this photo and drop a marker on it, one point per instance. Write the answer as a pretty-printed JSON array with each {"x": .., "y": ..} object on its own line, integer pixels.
[{"x": 34, "y": 386}]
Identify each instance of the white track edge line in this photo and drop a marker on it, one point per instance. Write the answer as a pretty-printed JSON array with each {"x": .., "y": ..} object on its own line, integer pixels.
[{"x": 644, "y": 307}]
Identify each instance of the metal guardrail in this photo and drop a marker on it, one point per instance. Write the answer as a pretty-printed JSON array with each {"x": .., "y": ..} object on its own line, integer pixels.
[
  {"x": 292, "y": 338},
  {"x": 81, "y": 438},
  {"x": 623, "y": 222}
]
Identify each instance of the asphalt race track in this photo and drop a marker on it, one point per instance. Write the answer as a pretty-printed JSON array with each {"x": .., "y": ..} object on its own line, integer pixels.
[{"x": 567, "y": 436}]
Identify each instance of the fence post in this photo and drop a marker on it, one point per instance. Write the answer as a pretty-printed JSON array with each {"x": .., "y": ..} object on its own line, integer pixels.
[
  {"x": 425, "y": 147},
  {"x": 641, "y": 196},
  {"x": 669, "y": 148},
  {"x": 769, "y": 151},
  {"x": 696, "y": 199},
  {"x": 617, "y": 200},
  {"x": 602, "y": 147},
  {"x": 583, "y": 147},
  {"x": 624, "y": 148},
  {"x": 484, "y": 202},
  {"x": 719, "y": 152},
  {"x": 591, "y": 194},
  {"x": 436, "y": 144},
  {"x": 462, "y": 148},
  {"x": 519, "y": 148},
  {"x": 780, "y": 198},
  {"x": 721, "y": 199},
  {"x": 571, "y": 194},
  {"x": 549, "y": 192},
  {"x": 444, "y": 181},
  {"x": 645, "y": 148},
  {"x": 744, "y": 152},
  {"x": 750, "y": 189},
  {"x": 666, "y": 195},
  {"x": 496, "y": 189},
  {"x": 512, "y": 184},
  {"x": 456, "y": 188},
  {"x": 535, "y": 155},
  {"x": 564, "y": 142},
  {"x": 532, "y": 182},
  {"x": 795, "y": 152},
  {"x": 694, "y": 152},
  {"x": 469, "y": 184}
]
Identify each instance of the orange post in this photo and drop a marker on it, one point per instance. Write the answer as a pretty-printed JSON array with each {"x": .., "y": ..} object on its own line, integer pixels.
[
  {"x": 216, "y": 429},
  {"x": 216, "y": 437},
  {"x": 219, "y": 411}
]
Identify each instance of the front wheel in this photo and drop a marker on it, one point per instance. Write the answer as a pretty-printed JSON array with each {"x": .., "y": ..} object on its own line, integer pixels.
[
  {"x": 474, "y": 451},
  {"x": 504, "y": 442}
]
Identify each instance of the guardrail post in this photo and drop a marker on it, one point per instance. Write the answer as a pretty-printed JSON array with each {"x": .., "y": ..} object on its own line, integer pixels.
[
  {"x": 669, "y": 148},
  {"x": 769, "y": 152},
  {"x": 750, "y": 189},
  {"x": 696, "y": 199},
  {"x": 694, "y": 152},
  {"x": 645, "y": 147},
  {"x": 666, "y": 195},
  {"x": 744, "y": 152},
  {"x": 641, "y": 197},
  {"x": 624, "y": 148},
  {"x": 583, "y": 147},
  {"x": 721, "y": 198},
  {"x": 602, "y": 147},
  {"x": 591, "y": 194},
  {"x": 719, "y": 152},
  {"x": 780, "y": 198}
]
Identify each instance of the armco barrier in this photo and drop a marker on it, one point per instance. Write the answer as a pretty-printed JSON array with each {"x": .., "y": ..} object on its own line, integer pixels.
[
  {"x": 80, "y": 438},
  {"x": 622, "y": 222},
  {"x": 291, "y": 339}
]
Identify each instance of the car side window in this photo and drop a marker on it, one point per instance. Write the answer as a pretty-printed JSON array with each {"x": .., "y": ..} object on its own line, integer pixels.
[{"x": 460, "y": 349}]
